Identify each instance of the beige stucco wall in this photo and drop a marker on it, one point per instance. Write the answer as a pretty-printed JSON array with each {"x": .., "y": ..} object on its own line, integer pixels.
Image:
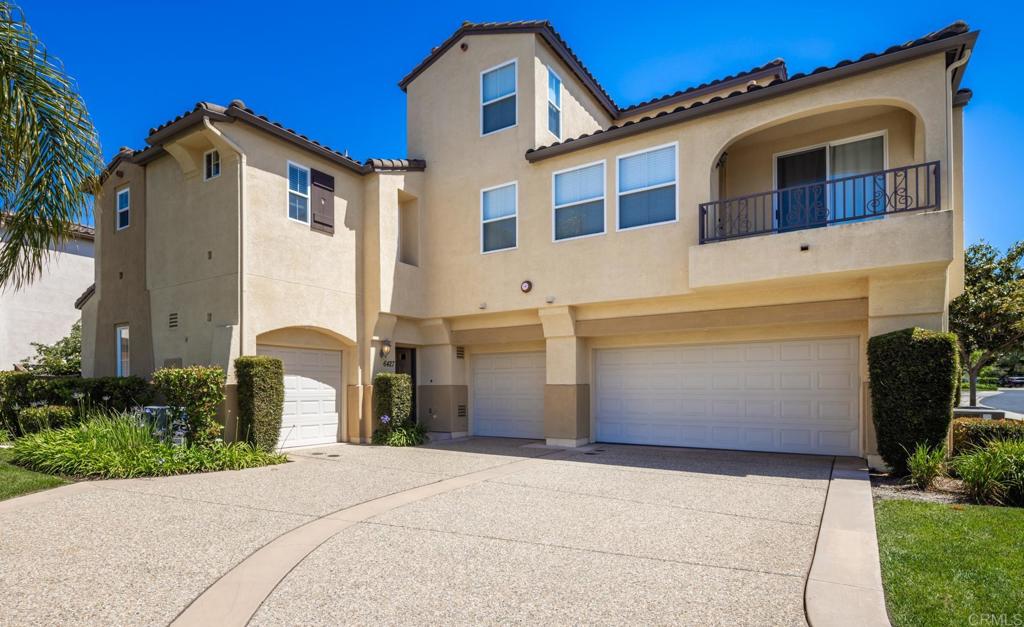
[{"x": 44, "y": 311}]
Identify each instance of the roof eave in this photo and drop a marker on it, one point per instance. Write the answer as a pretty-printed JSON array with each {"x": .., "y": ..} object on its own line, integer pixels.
[
  {"x": 957, "y": 42},
  {"x": 739, "y": 79}
]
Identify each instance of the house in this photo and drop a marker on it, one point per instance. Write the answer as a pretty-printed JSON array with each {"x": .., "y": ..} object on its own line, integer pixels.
[
  {"x": 43, "y": 311},
  {"x": 703, "y": 269}
]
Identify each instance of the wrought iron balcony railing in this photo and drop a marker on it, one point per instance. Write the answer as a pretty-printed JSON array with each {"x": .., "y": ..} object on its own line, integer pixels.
[{"x": 847, "y": 199}]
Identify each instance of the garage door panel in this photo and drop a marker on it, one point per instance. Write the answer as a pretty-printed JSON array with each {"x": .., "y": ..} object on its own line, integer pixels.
[
  {"x": 796, "y": 395},
  {"x": 312, "y": 386},
  {"x": 508, "y": 395}
]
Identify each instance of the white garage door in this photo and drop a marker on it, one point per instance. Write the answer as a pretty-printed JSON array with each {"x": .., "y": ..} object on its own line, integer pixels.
[
  {"x": 312, "y": 386},
  {"x": 508, "y": 395},
  {"x": 792, "y": 396}
]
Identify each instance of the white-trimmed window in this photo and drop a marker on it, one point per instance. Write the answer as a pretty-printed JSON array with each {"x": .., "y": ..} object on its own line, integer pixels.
[
  {"x": 298, "y": 192},
  {"x": 647, "y": 187},
  {"x": 211, "y": 165},
  {"x": 124, "y": 208},
  {"x": 554, "y": 104},
  {"x": 498, "y": 98},
  {"x": 578, "y": 198},
  {"x": 123, "y": 361},
  {"x": 498, "y": 211}
]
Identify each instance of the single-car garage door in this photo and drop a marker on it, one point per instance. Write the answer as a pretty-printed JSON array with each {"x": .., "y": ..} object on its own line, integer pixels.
[
  {"x": 792, "y": 396},
  {"x": 312, "y": 394},
  {"x": 508, "y": 395}
]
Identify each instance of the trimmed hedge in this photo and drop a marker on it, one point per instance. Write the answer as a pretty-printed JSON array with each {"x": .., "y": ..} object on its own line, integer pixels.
[
  {"x": 260, "y": 399},
  {"x": 199, "y": 390},
  {"x": 971, "y": 433},
  {"x": 392, "y": 397},
  {"x": 19, "y": 390},
  {"x": 35, "y": 419},
  {"x": 913, "y": 379}
]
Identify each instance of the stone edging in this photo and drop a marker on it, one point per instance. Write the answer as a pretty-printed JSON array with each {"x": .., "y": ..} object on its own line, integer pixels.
[{"x": 844, "y": 586}]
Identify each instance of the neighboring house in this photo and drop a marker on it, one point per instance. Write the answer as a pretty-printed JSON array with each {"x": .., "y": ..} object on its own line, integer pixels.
[
  {"x": 548, "y": 264},
  {"x": 44, "y": 311}
]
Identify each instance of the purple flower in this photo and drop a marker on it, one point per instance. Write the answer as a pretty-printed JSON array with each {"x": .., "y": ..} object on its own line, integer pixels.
[{"x": 385, "y": 419}]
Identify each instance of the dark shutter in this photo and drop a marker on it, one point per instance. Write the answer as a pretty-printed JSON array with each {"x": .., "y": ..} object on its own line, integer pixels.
[{"x": 322, "y": 200}]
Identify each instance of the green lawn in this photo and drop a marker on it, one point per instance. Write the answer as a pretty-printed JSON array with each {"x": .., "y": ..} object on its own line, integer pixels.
[
  {"x": 15, "y": 481},
  {"x": 951, "y": 564}
]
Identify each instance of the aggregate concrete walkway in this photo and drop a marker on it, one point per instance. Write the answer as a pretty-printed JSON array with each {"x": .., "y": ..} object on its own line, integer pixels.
[{"x": 478, "y": 531}]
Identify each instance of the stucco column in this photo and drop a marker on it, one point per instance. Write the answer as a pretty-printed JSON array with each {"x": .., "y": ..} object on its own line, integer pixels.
[
  {"x": 567, "y": 384},
  {"x": 442, "y": 391}
]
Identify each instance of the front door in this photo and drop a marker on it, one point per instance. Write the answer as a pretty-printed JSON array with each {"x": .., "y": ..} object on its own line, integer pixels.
[
  {"x": 801, "y": 203},
  {"x": 405, "y": 363}
]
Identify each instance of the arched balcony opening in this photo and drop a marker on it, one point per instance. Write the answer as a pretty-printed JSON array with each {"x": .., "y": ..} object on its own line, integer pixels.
[{"x": 859, "y": 163}]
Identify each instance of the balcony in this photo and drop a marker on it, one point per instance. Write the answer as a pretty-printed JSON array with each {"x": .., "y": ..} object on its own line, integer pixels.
[{"x": 862, "y": 197}]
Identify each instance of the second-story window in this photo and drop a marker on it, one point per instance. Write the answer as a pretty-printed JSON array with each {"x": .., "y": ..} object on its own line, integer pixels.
[
  {"x": 498, "y": 98},
  {"x": 498, "y": 216},
  {"x": 124, "y": 208},
  {"x": 298, "y": 192},
  {"x": 579, "y": 201},
  {"x": 554, "y": 104},
  {"x": 647, "y": 187},
  {"x": 211, "y": 165}
]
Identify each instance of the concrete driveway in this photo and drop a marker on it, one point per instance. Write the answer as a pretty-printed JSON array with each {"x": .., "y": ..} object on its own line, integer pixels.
[{"x": 478, "y": 531}]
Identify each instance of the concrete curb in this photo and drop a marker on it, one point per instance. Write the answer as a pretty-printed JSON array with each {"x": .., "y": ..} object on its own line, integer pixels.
[
  {"x": 844, "y": 586},
  {"x": 238, "y": 594}
]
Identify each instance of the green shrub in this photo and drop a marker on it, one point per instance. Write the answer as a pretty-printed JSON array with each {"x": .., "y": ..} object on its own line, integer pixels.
[
  {"x": 926, "y": 464},
  {"x": 19, "y": 390},
  {"x": 401, "y": 435},
  {"x": 392, "y": 397},
  {"x": 994, "y": 474},
  {"x": 971, "y": 433},
  {"x": 199, "y": 391},
  {"x": 119, "y": 446},
  {"x": 260, "y": 399},
  {"x": 33, "y": 419},
  {"x": 913, "y": 379}
]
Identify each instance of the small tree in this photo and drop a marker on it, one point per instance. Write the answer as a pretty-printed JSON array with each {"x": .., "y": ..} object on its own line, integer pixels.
[
  {"x": 988, "y": 317},
  {"x": 63, "y": 357}
]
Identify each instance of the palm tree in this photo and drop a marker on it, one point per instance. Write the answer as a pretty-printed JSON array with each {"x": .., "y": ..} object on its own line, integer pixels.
[{"x": 49, "y": 152}]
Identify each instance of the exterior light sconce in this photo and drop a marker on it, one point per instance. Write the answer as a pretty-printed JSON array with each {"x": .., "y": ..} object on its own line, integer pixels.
[{"x": 385, "y": 348}]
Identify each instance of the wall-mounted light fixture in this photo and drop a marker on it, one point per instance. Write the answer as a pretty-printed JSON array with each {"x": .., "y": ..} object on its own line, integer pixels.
[{"x": 385, "y": 348}]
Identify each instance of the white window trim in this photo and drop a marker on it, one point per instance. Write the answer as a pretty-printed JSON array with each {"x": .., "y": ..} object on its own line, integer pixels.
[
  {"x": 208, "y": 152},
  {"x": 117, "y": 349},
  {"x": 118, "y": 211},
  {"x": 675, "y": 197},
  {"x": 557, "y": 106},
  {"x": 288, "y": 193},
  {"x": 604, "y": 197},
  {"x": 515, "y": 186},
  {"x": 515, "y": 94}
]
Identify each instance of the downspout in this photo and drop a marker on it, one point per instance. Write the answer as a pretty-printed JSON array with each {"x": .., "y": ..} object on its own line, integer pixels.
[
  {"x": 953, "y": 67},
  {"x": 241, "y": 227}
]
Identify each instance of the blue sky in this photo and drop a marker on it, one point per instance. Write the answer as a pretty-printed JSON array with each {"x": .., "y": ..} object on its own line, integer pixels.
[{"x": 329, "y": 69}]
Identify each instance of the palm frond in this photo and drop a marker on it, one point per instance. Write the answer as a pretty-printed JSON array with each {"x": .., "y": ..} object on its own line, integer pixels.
[{"x": 49, "y": 151}]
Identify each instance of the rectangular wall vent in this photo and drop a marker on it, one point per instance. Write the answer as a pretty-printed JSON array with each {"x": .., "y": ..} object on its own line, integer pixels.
[
  {"x": 461, "y": 411},
  {"x": 172, "y": 320},
  {"x": 460, "y": 352}
]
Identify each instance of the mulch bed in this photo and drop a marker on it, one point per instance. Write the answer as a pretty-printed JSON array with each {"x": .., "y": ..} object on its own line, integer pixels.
[{"x": 944, "y": 490}]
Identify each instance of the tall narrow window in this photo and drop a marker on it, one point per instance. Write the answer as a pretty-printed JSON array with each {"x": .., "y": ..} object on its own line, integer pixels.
[
  {"x": 498, "y": 214},
  {"x": 554, "y": 104},
  {"x": 579, "y": 201},
  {"x": 211, "y": 165},
  {"x": 498, "y": 98},
  {"x": 647, "y": 187},
  {"x": 298, "y": 192},
  {"x": 124, "y": 207},
  {"x": 123, "y": 362}
]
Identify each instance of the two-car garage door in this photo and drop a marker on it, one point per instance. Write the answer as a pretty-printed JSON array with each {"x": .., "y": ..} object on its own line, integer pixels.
[{"x": 793, "y": 396}]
